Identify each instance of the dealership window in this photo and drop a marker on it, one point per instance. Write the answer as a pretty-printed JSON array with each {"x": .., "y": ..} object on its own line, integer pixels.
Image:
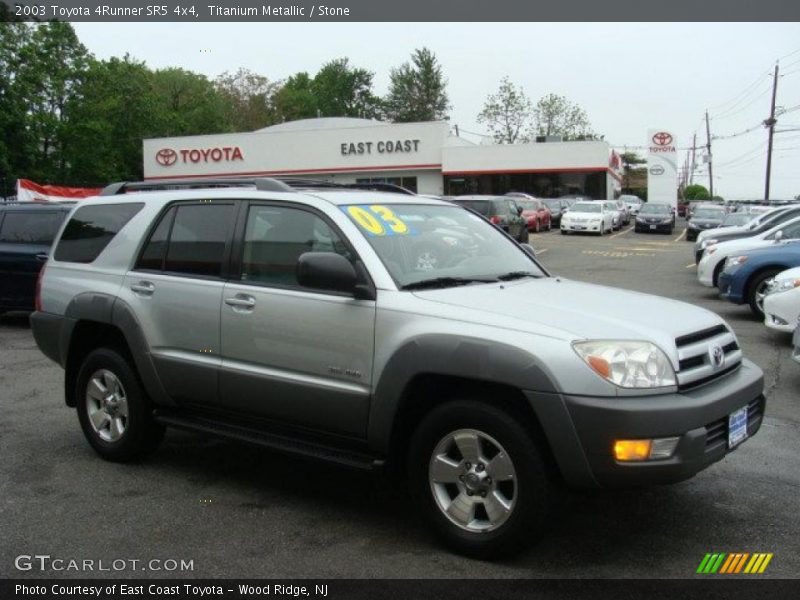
[
  {"x": 409, "y": 183},
  {"x": 91, "y": 229},
  {"x": 542, "y": 185}
]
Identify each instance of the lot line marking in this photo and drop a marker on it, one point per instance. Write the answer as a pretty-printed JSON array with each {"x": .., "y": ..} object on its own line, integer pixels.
[
  {"x": 621, "y": 233},
  {"x": 542, "y": 251},
  {"x": 680, "y": 237},
  {"x": 690, "y": 265}
]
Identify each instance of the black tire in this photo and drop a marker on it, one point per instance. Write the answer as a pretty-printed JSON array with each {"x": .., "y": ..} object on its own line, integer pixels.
[
  {"x": 142, "y": 434},
  {"x": 532, "y": 489},
  {"x": 752, "y": 290},
  {"x": 525, "y": 236},
  {"x": 563, "y": 232}
]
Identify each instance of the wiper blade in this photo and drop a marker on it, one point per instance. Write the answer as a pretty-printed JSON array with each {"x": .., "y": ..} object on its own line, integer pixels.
[
  {"x": 517, "y": 275},
  {"x": 445, "y": 282}
]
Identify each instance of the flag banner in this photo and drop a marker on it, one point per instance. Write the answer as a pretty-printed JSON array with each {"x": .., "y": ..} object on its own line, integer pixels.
[{"x": 28, "y": 191}]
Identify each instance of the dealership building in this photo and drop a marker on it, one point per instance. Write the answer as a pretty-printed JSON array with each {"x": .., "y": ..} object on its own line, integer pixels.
[{"x": 424, "y": 157}]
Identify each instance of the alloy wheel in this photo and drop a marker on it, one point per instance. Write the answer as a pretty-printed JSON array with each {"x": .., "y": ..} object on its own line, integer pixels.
[{"x": 106, "y": 405}]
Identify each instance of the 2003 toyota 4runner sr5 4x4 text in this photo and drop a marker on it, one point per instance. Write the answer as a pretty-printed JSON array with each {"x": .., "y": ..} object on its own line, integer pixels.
[{"x": 365, "y": 326}]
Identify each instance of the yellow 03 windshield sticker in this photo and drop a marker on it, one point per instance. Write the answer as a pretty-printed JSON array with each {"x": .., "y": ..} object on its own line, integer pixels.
[{"x": 377, "y": 220}]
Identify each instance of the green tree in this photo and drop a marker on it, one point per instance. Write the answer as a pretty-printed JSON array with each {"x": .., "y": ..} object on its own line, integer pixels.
[
  {"x": 15, "y": 143},
  {"x": 555, "y": 115},
  {"x": 696, "y": 192},
  {"x": 507, "y": 113},
  {"x": 417, "y": 91},
  {"x": 249, "y": 99},
  {"x": 345, "y": 91},
  {"x": 187, "y": 103},
  {"x": 295, "y": 99},
  {"x": 109, "y": 116}
]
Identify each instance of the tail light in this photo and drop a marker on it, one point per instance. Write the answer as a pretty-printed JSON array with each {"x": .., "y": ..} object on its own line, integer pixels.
[
  {"x": 38, "y": 299},
  {"x": 495, "y": 219}
]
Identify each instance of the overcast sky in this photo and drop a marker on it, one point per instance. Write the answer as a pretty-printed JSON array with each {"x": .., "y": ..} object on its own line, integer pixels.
[{"x": 628, "y": 77}]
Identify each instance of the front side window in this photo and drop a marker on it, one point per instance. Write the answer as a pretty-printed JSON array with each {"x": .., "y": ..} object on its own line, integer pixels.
[
  {"x": 420, "y": 242},
  {"x": 35, "y": 227},
  {"x": 91, "y": 229},
  {"x": 274, "y": 239}
]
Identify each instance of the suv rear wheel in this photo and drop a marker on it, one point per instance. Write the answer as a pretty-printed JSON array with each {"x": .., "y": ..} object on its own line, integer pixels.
[
  {"x": 113, "y": 409},
  {"x": 478, "y": 478}
]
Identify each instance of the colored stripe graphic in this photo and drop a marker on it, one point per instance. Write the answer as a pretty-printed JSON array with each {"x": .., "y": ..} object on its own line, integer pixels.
[
  {"x": 727, "y": 566},
  {"x": 703, "y": 563},
  {"x": 711, "y": 563},
  {"x": 734, "y": 563}
]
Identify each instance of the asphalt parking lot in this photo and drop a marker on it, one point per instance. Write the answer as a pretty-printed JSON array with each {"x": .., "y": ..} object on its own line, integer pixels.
[{"x": 242, "y": 512}]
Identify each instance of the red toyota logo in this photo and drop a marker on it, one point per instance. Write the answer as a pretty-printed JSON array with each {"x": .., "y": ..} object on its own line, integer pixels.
[
  {"x": 166, "y": 157},
  {"x": 662, "y": 138}
]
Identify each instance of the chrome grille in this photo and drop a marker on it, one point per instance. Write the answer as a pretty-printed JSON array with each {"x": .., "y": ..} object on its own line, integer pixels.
[{"x": 694, "y": 360}]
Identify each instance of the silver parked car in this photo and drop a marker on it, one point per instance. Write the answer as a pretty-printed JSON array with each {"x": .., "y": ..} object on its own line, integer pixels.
[{"x": 302, "y": 319}]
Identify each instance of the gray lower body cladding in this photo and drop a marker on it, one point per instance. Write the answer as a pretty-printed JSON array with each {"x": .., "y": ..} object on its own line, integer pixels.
[{"x": 581, "y": 430}]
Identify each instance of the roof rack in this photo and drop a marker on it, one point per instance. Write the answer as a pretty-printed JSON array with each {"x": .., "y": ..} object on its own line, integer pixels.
[{"x": 263, "y": 184}]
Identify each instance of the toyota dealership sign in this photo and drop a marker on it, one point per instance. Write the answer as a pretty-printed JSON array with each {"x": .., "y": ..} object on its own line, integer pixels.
[{"x": 662, "y": 167}]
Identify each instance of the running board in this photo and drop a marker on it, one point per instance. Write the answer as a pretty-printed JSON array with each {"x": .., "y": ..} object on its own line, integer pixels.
[{"x": 283, "y": 443}]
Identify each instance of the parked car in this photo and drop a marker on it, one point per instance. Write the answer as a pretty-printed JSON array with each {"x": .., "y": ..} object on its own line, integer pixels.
[
  {"x": 292, "y": 318},
  {"x": 711, "y": 265},
  {"x": 655, "y": 217},
  {"x": 796, "y": 343},
  {"x": 634, "y": 203},
  {"x": 27, "y": 231},
  {"x": 557, "y": 208},
  {"x": 617, "y": 216},
  {"x": 623, "y": 209},
  {"x": 704, "y": 217},
  {"x": 534, "y": 210},
  {"x": 746, "y": 276},
  {"x": 588, "y": 217},
  {"x": 683, "y": 208},
  {"x": 759, "y": 225},
  {"x": 501, "y": 211},
  {"x": 782, "y": 301}
]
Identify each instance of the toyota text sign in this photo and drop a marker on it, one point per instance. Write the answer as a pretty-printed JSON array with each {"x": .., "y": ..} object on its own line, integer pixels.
[{"x": 662, "y": 167}]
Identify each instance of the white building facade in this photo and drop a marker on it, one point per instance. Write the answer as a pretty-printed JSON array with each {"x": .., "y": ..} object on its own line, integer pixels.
[{"x": 423, "y": 157}]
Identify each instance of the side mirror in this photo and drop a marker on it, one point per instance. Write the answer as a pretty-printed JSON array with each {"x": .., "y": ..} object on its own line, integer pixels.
[
  {"x": 519, "y": 211},
  {"x": 779, "y": 235},
  {"x": 528, "y": 249},
  {"x": 326, "y": 271}
]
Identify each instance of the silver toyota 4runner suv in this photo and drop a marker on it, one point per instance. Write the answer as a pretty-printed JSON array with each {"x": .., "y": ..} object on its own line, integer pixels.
[{"x": 366, "y": 327}]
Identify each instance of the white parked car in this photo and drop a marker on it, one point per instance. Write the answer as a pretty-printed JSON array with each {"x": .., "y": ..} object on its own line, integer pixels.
[
  {"x": 617, "y": 212},
  {"x": 710, "y": 266},
  {"x": 754, "y": 222},
  {"x": 782, "y": 302},
  {"x": 588, "y": 217},
  {"x": 634, "y": 203}
]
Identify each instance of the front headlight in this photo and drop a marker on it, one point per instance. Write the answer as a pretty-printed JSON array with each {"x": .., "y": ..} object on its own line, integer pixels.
[
  {"x": 735, "y": 261},
  {"x": 627, "y": 364},
  {"x": 783, "y": 286},
  {"x": 693, "y": 226},
  {"x": 640, "y": 219},
  {"x": 707, "y": 243}
]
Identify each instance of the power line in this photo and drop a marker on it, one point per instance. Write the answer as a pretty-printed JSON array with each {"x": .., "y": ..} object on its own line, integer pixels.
[{"x": 742, "y": 93}]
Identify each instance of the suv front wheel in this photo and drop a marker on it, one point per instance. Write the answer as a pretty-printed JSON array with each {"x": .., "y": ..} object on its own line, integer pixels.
[
  {"x": 478, "y": 478},
  {"x": 113, "y": 409}
]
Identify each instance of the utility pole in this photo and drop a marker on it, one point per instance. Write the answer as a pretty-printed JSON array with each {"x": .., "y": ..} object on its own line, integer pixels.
[
  {"x": 708, "y": 149},
  {"x": 771, "y": 124},
  {"x": 694, "y": 147}
]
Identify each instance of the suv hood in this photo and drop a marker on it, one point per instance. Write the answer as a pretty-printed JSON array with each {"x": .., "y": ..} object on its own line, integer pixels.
[{"x": 576, "y": 310}]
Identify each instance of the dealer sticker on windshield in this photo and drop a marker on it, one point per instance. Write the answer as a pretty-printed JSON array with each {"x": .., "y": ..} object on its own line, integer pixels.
[
  {"x": 737, "y": 427},
  {"x": 377, "y": 220}
]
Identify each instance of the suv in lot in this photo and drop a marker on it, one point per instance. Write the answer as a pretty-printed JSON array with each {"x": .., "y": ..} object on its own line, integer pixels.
[
  {"x": 297, "y": 318},
  {"x": 26, "y": 234}
]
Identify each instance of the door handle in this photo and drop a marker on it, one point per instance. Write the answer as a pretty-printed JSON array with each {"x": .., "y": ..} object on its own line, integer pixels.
[
  {"x": 241, "y": 301},
  {"x": 42, "y": 256},
  {"x": 145, "y": 288}
]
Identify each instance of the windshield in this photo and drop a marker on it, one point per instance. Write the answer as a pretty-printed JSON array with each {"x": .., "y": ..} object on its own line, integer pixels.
[
  {"x": 553, "y": 204},
  {"x": 655, "y": 209},
  {"x": 526, "y": 204},
  {"x": 483, "y": 207},
  {"x": 419, "y": 242},
  {"x": 585, "y": 207},
  {"x": 736, "y": 219},
  {"x": 708, "y": 213}
]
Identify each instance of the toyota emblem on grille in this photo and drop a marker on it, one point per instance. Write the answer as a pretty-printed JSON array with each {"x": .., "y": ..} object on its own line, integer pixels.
[{"x": 717, "y": 356}]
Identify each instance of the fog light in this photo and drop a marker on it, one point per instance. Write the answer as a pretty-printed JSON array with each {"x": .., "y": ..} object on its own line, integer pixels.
[{"x": 639, "y": 450}]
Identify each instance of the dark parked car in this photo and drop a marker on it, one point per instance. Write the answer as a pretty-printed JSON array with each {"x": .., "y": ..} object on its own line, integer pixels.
[
  {"x": 534, "y": 210},
  {"x": 26, "y": 233},
  {"x": 704, "y": 217},
  {"x": 501, "y": 211},
  {"x": 745, "y": 277},
  {"x": 655, "y": 217},
  {"x": 683, "y": 208},
  {"x": 557, "y": 208}
]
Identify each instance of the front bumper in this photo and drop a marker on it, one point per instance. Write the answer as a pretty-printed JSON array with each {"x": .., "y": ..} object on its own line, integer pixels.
[
  {"x": 652, "y": 227},
  {"x": 582, "y": 227},
  {"x": 583, "y": 448},
  {"x": 796, "y": 343},
  {"x": 705, "y": 271},
  {"x": 781, "y": 310},
  {"x": 726, "y": 289}
]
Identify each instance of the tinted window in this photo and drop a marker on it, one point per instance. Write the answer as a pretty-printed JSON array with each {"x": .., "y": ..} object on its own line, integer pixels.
[
  {"x": 479, "y": 206},
  {"x": 90, "y": 230},
  {"x": 274, "y": 239},
  {"x": 153, "y": 255},
  {"x": 37, "y": 227},
  {"x": 197, "y": 242}
]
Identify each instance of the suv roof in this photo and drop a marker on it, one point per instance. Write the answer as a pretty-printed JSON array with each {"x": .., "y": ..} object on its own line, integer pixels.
[{"x": 36, "y": 206}]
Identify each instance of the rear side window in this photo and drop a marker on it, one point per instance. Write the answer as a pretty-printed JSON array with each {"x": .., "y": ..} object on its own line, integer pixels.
[
  {"x": 90, "y": 230},
  {"x": 197, "y": 241},
  {"x": 480, "y": 206},
  {"x": 35, "y": 227}
]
